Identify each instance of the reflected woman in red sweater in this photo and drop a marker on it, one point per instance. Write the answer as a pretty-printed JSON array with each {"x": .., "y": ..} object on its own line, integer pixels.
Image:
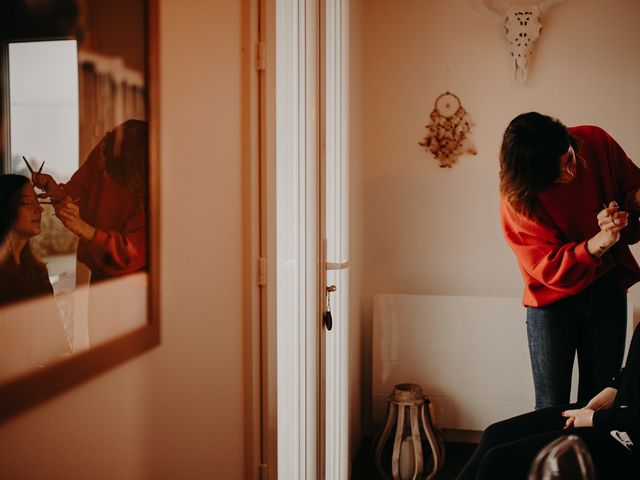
[
  {"x": 569, "y": 211},
  {"x": 104, "y": 202}
]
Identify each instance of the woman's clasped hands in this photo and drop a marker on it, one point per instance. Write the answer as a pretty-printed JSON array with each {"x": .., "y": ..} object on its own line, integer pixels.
[
  {"x": 583, "y": 417},
  {"x": 611, "y": 221}
]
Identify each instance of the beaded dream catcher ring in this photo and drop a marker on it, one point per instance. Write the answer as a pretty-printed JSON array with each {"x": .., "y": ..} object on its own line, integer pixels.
[{"x": 448, "y": 133}]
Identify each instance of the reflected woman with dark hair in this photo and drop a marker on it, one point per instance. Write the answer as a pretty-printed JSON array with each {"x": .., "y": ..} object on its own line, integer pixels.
[
  {"x": 31, "y": 333},
  {"x": 104, "y": 202},
  {"x": 6, "y": 220},
  {"x": 22, "y": 275}
]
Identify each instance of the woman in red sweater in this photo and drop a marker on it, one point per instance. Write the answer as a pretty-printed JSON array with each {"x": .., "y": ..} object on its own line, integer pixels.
[
  {"x": 104, "y": 202},
  {"x": 569, "y": 201}
]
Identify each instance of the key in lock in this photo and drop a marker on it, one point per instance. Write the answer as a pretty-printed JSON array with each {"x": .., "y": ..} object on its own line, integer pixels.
[{"x": 327, "y": 318}]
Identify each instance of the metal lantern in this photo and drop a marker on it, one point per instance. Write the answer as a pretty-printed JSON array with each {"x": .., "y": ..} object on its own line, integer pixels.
[{"x": 409, "y": 446}]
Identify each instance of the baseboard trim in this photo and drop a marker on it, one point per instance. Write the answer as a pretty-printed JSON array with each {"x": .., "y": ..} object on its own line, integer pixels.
[{"x": 462, "y": 436}]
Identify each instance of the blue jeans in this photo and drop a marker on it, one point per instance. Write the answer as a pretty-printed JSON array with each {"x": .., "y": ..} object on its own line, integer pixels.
[{"x": 591, "y": 323}]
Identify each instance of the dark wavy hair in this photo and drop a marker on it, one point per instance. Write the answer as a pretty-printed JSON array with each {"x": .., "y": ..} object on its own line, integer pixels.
[
  {"x": 125, "y": 149},
  {"x": 10, "y": 186},
  {"x": 530, "y": 158}
]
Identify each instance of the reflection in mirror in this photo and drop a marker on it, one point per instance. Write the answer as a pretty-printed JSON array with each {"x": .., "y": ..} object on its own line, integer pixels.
[
  {"x": 43, "y": 93},
  {"x": 35, "y": 335},
  {"x": 73, "y": 251}
]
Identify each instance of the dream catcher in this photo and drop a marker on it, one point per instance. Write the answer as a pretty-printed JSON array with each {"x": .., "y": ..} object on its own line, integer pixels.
[{"x": 447, "y": 134}]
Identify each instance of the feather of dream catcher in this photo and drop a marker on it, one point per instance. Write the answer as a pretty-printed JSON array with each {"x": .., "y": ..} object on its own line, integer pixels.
[{"x": 448, "y": 133}]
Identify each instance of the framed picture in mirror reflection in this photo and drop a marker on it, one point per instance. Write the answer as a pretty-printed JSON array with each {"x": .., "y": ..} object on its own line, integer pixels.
[{"x": 78, "y": 192}]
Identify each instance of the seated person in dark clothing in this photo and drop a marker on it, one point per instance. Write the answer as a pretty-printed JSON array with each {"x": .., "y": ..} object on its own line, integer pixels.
[
  {"x": 22, "y": 275},
  {"x": 31, "y": 333},
  {"x": 609, "y": 425},
  {"x": 6, "y": 220}
]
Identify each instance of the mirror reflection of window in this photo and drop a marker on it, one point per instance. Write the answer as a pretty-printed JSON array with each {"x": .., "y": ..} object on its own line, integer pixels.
[{"x": 43, "y": 93}]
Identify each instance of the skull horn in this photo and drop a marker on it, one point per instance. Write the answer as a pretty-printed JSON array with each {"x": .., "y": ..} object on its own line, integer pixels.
[
  {"x": 547, "y": 5},
  {"x": 499, "y": 7}
]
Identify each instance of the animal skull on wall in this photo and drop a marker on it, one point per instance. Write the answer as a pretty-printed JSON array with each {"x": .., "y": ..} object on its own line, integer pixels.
[{"x": 522, "y": 27}]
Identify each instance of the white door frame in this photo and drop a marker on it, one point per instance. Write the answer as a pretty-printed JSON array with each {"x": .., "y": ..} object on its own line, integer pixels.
[
  {"x": 305, "y": 103},
  {"x": 296, "y": 243},
  {"x": 334, "y": 41}
]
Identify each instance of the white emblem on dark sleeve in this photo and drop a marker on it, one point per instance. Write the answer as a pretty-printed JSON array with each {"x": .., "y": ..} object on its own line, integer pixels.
[{"x": 623, "y": 438}]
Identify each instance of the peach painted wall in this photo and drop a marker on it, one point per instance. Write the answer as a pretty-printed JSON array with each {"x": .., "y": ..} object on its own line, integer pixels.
[
  {"x": 356, "y": 227},
  {"x": 429, "y": 230},
  {"x": 176, "y": 411}
]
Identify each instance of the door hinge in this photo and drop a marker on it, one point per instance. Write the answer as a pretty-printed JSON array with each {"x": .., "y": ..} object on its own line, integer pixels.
[
  {"x": 263, "y": 471},
  {"x": 261, "y": 56},
  {"x": 262, "y": 271}
]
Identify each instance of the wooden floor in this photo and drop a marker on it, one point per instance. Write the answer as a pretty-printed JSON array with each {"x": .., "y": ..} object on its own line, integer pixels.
[{"x": 457, "y": 455}]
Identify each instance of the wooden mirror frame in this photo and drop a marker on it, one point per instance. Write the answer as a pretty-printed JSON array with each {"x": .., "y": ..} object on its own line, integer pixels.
[{"x": 33, "y": 387}]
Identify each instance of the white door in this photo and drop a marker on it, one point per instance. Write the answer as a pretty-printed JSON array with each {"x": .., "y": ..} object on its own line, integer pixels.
[
  {"x": 297, "y": 246},
  {"x": 334, "y": 222},
  {"x": 310, "y": 196}
]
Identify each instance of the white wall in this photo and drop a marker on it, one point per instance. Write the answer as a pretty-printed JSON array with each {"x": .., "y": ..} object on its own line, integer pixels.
[
  {"x": 356, "y": 226},
  {"x": 177, "y": 411},
  {"x": 436, "y": 231}
]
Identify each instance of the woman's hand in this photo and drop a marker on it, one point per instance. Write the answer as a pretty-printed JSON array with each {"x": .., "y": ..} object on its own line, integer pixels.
[
  {"x": 610, "y": 220},
  {"x": 603, "y": 400},
  {"x": 582, "y": 417},
  {"x": 69, "y": 214},
  {"x": 48, "y": 185}
]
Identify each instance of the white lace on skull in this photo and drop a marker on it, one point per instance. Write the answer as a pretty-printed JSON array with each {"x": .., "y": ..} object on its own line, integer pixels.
[{"x": 522, "y": 27}]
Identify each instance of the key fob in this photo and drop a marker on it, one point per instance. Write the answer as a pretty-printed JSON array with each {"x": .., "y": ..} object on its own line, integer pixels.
[{"x": 328, "y": 320}]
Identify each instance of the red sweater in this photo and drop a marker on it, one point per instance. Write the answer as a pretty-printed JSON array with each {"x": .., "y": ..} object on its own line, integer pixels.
[
  {"x": 552, "y": 249},
  {"x": 119, "y": 245}
]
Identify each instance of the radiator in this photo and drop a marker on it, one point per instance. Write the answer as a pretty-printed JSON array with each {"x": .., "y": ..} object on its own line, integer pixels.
[{"x": 469, "y": 354}]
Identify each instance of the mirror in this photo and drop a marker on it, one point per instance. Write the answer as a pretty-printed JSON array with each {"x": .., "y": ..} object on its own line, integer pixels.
[{"x": 78, "y": 191}]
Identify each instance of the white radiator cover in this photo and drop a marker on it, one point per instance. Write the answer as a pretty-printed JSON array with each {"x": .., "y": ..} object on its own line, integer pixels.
[{"x": 469, "y": 354}]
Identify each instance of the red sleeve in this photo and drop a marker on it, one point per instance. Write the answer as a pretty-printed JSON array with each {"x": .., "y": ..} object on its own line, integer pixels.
[
  {"x": 119, "y": 253},
  {"x": 627, "y": 178},
  {"x": 565, "y": 267},
  {"x": 80, "y": 182}
]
